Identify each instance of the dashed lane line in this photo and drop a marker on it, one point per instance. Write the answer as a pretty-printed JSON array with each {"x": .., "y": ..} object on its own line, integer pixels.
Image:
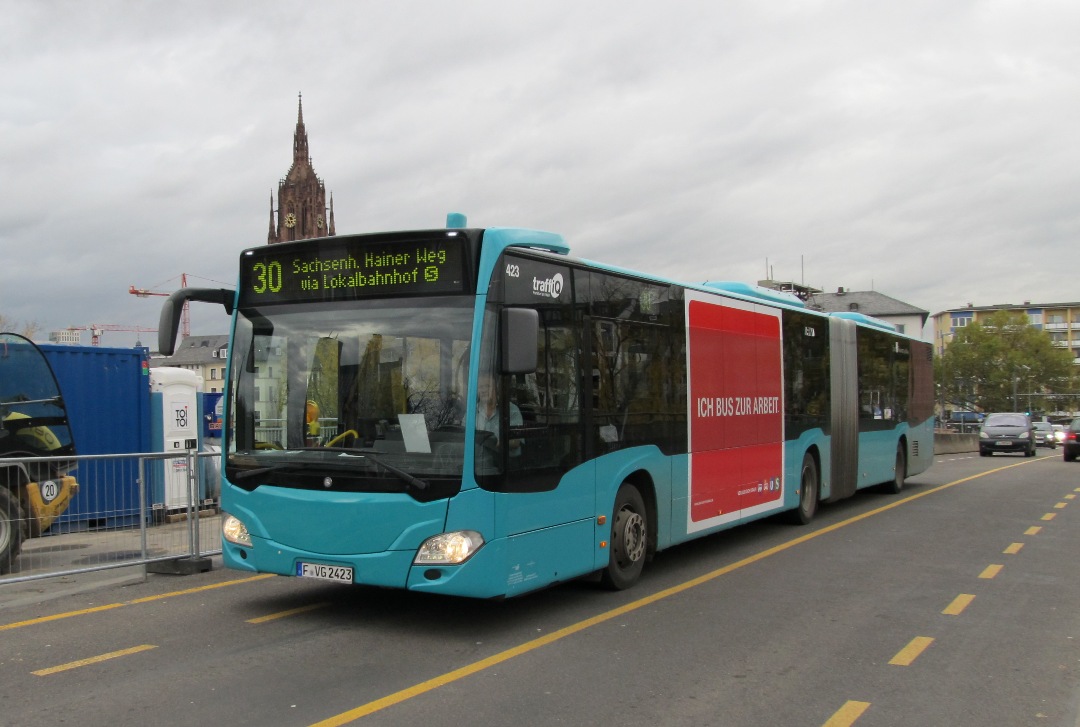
[
  {"x": 146, "y": 599},
  {"x": 907, "y": 655},
  {"x": 846, "y": 715},
  {"x": 959, "y": 604},
  {"x": 93, "y": 660},
  {"x": 284, "y": 614}
]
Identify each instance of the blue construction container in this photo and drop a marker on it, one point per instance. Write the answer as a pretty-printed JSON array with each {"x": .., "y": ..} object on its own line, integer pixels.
[{"x": 107, "y": 395}]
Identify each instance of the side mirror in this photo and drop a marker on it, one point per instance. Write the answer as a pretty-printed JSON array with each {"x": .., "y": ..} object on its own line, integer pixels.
[
  {"x": 520, "y": 333},
  {"x": 173, "y": 306}
]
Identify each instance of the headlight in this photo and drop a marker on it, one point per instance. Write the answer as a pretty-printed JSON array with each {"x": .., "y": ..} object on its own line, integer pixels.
[
  {"x": 449, "y": 548},
  {"x": 983, "y": 435},
  {"x": 1025, "y": 435},
  {"x": 233, "y": 530}
]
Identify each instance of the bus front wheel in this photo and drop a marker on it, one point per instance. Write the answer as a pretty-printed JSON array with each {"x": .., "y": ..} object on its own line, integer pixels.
[{"x": 629, "y": 539}]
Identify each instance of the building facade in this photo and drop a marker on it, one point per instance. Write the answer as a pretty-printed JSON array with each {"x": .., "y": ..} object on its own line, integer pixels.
[
  {"x": 207, "y": 356},
  {"x": 1060, "y": 320},
  {"x": 907, "y": 318},
  {"x": 302, "y": 212},
  {"x": 72, "y": 336}
]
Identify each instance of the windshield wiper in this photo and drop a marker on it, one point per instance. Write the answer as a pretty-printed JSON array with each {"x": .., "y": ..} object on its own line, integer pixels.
[
  {"x": 402, "y": 474},
  {"x": 411, "y": 479},
  {"x": 259, "y": 471}
]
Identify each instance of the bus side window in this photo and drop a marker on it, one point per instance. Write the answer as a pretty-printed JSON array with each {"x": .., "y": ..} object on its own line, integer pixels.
[{"x": 638, "y": 383}]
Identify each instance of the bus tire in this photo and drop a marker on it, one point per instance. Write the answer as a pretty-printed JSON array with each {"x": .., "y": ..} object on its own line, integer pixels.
[
  {"x": 809, "y": 489},
  {"x": 11, "y": 529},
  {"x": 629, "y": 539},
  {"x": 896, "y": 484}
]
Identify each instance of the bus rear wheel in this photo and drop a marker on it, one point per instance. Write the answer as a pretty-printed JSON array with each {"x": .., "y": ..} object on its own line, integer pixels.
[
  {"x": 808, "y": 493},
  {"x": 894, "y": 486},
  {"x": 11, "y": 529},
  {"x": 629, "y": 539}
]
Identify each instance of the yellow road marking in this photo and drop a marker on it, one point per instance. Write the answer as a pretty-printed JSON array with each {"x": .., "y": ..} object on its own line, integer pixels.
[
  {"x": 846, "y": 715},
  {"x": 990, "y": 571},
  {"x": 1033, "y": 530},
  {"x": 200, "y": 589},
  {"x": 1049, "y": 516},
  {"x": 478, "y": 666},
  {"x": 93, "y": 660},
  {"x": 283, "y": 614},
  {"x": 959, "y": 604},
  {"x": 1013, "y": 549},
  {"x": 1070, "y": 497},
  {"x": 911, "y": 652},
  {"x": 83, "y": 612},
  {"x": 54, "y": 617},
  {"x": 1061, "y": 505}
]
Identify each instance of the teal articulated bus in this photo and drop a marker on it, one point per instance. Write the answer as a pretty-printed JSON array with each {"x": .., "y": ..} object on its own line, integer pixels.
[{"x": 475, "y": 412}]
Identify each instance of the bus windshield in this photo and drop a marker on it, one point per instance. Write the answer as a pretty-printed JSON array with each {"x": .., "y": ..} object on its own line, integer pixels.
[{"x": 365, "y": 396}]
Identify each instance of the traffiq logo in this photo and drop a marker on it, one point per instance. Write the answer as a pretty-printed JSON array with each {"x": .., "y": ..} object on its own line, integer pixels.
[{"x": 551, "y": 286}]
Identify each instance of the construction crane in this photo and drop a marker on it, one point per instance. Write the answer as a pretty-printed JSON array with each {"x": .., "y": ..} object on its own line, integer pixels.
[
  {"x": 185, "y": 318},
  {"x": 96, "y": 329}
]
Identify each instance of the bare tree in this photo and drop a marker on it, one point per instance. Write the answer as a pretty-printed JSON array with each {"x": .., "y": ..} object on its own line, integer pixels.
[{"x": 29, "y": 329}]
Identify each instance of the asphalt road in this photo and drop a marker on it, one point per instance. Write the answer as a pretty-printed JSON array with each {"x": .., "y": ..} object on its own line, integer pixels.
[{"x": 954, "y": 603}]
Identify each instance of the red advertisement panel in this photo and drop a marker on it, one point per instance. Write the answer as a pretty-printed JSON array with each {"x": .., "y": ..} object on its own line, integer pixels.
[{"x": 736, "y": 408}]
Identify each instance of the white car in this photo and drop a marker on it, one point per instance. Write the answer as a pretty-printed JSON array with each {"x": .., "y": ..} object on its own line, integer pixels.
[
  {"x": 1059, "y": 433},
  {"x": 1044, "y": 434}
]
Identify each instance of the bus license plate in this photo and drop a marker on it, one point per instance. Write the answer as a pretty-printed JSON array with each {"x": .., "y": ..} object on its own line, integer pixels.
[{"x": 339, "y": 573}]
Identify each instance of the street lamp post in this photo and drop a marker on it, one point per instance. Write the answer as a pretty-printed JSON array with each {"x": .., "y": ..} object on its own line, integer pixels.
[{"x": 1016, "y": 380}]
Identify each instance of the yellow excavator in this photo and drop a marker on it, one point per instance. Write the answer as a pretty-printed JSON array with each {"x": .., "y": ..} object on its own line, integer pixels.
[{"x": 37, "y": 451}]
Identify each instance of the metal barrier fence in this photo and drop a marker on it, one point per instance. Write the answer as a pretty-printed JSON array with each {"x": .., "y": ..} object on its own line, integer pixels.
[
  {"x": 155, "y": 509},
  {"x": 272, "y": 431}
]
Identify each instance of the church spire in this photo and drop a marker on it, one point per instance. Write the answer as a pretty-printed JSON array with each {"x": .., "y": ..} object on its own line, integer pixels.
[
  {"x": 300, "y": 144},
  {"x": 273, "y": 224},
  {"x": 301, "y": 198}
]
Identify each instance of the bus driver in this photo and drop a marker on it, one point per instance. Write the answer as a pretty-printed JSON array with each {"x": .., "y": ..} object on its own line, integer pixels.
[{"x": 487, "y": 412}]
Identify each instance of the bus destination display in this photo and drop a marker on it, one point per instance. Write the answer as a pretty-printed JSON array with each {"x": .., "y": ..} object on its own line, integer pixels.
[{"x": 351, "y": 269}]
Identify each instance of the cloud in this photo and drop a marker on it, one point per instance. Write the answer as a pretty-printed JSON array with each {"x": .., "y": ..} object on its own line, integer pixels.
[{"x": 922, "y": 149}]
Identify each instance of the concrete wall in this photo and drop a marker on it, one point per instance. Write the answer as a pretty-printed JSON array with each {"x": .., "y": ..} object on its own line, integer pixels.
[{"x": 952, "y": 443}]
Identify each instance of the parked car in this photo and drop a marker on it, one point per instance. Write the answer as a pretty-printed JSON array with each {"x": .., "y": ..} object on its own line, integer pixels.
[
  {"x": 1006, "y": 432},
  {"x": 964, "y": 421},
  {"x": 1044, "y": 434},
  {"x": 1072, "y": 441}
]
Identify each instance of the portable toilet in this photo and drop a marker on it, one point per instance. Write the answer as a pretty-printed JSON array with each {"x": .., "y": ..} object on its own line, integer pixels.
[{"x": 175, "y": 429}]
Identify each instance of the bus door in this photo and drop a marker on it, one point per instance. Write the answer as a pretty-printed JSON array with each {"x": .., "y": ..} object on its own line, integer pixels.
[{"x": 541, "y": 409}]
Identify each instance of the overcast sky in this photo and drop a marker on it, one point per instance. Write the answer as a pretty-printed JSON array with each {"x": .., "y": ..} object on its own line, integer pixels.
[{"x": 925, "y": 149}]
